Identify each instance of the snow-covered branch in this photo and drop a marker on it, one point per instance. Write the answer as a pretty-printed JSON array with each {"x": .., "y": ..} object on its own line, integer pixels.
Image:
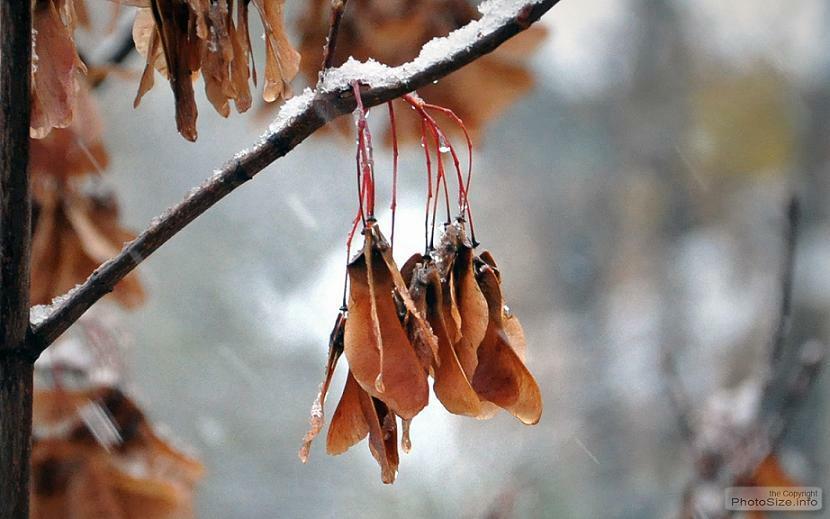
[{"x": 299, "y": 118}]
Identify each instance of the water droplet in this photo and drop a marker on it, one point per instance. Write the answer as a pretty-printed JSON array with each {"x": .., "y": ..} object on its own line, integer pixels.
[{"x": 443, "y": 145}]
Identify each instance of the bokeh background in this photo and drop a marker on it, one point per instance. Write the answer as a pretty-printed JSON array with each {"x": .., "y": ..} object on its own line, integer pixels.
[{"x": 634, "y": 200}]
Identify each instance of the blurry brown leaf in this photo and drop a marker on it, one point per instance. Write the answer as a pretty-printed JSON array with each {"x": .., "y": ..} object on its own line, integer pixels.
[
  {"x": 392, "y": 32},
  {"x": 73, "y": 235},
  {"x": 76, "y": 476},
  {"x": 348, "y": 426},
  {"x": 55, "y": 66},
  {"x": 770, "y": 473},
  {"x": 75, "y": 150},
  {"x": 181, "y": 38}
]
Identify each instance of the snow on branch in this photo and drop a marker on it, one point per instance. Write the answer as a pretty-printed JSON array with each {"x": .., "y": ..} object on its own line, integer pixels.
[{"x": 299, "y": 118}]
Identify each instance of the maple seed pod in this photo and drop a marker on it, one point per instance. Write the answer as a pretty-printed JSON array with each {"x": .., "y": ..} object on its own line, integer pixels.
[
  {"x": 423, "y": 340},
  {"x": 376, "y": 343},
  {"x": 466, "y": 314},
  {"x": 501, "y": 376},
  {"x": 451, "y": 386},
  {"x": 359, "y": 415},
  {"x": 318, "y": 420},
  {"x": 348, "y": 426},
  {"x": 181, "y": 39}
]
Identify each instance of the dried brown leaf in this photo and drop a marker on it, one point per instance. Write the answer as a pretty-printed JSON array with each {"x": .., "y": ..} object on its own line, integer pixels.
[
  {"x": 451, "y": 386},
  {"x": 501, "y": 377},
  {"x": 383, "y": 436},
  {"x": 472, "y": 309},
  {"x": 376, "y": 344},
  {"x": 348, "y": 425},
  {"x": 55, "y": 70},
  {"x": 318, "y": 417}
]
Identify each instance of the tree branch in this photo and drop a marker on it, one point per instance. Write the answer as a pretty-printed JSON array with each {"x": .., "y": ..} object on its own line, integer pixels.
[
  {"x": 787, "y": 273},
  {"x": 15, "y": 214},
  {"x": 297, "y": 120}
]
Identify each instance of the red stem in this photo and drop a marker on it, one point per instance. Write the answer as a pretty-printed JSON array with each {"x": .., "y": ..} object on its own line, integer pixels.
[
  {"x": 425, "y": 145},
  {"x": 394, "y": 205}
]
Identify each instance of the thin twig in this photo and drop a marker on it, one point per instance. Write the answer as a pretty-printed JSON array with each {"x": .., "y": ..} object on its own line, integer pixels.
[
  {"x": 338, "y": 7},
  {"x": 277, "y": 142},
  {"x": 787, "y": 271},
  {"x": 678, "y": 397}
]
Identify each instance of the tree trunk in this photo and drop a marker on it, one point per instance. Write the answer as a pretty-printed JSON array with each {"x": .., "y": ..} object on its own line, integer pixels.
[
  {"x": 16, "y": 363},
  {"x": 15, "y": 435}
]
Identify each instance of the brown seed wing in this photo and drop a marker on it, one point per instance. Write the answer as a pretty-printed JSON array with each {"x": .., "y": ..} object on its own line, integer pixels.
[
  {"x": 488, "y": 259},
  {"x": 383, "y": 436},
  {"x": 409, "y": 267},
  {"x": 182, "y": 56},
  {"x": 406, "y": 442},
  {"x": 348, "y": 426},
  {"x": 515, "y": 335},
  {"x": 452, "y": 387},
  {"x": 54, "y": 79},
  {"x": 282, "y": 61},
  {"x": 425, "y": 347},
  {"x": 318, "y": 417},
  {"x": 451, "y": 313},
  {"x": 380, "y": 244},
  {"x": 472, "y": 308},
  {"x": 501, "y": 377},
  {"x": 404, "y": 381}
]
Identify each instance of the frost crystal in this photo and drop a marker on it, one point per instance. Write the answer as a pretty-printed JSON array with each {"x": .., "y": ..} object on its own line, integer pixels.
[
  {"x": 39, "y": 313},
  {"x": 292, "y": 109}
]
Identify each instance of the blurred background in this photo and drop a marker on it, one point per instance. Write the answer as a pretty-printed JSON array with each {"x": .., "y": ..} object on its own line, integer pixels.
[{"x": 635, "y": 200}]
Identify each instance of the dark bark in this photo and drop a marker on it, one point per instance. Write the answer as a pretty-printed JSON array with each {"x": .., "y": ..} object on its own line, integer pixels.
[
  {"x": 338, "y": 7},
  {"x": 15, "y": 435},
  {"x": 15, "y": 214}
]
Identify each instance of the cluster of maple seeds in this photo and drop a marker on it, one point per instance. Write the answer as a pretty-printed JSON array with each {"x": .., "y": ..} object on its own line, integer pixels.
[
  {"x": 180, "y": 38},
  {"x": 441, "y": 315}
]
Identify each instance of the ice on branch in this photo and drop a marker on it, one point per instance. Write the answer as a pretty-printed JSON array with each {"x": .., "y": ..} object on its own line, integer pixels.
[
  {"x": 38, "y": 313},
  {"x": 374, "y": 74}
]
